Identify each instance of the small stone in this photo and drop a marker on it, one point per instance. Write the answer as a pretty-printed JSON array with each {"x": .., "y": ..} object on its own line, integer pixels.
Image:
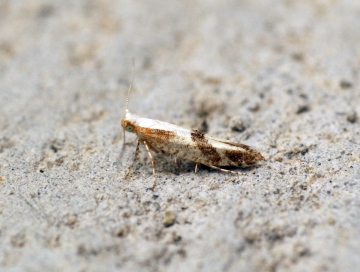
[
  {"x": 169, "y": 218},
  {"x": 238, "y": 124},
  {"x": 345, "y": 84},
  {"x": 351, "y": 117},
  {"x": 302, "y": 108}
]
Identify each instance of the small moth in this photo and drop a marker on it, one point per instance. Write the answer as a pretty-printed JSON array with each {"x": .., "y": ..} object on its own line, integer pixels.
[{"x": 193, "y": 145}]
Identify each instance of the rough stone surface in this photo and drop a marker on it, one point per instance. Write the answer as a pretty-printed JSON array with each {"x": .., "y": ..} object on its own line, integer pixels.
[{"x": 285, "y": 72}]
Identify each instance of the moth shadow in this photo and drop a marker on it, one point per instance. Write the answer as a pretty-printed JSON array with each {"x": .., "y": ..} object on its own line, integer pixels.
[
  {"x": 234, "y": 169},
  {"x": 168, "y": 164}
]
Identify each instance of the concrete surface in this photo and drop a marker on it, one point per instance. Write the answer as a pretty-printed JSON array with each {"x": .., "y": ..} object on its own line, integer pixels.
[{"x": 281, "y": 76}]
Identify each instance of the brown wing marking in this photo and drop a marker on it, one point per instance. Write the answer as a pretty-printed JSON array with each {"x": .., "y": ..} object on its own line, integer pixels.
[
  {"x": 205, "y": 148},
  {"x": 244, "y": 158},
  {"x": 156, "y": 138}
]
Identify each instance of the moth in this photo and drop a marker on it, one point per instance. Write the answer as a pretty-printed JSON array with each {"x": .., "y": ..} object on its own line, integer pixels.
[{"x": 193, "y": 145}]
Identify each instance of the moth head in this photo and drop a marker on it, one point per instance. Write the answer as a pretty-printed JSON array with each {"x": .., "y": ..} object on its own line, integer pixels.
[{"x": 127, "y": 123}]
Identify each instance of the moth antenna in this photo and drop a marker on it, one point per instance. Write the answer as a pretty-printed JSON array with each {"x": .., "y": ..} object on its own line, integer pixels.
[{"x": 131, "y": 84}]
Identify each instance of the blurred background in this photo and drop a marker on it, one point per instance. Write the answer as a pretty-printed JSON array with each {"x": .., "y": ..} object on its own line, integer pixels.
[{"x": 281, "y": 76}]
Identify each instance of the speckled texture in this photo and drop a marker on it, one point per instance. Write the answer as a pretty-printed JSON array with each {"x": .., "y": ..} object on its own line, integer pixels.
[{"x": 280, "y": 76}]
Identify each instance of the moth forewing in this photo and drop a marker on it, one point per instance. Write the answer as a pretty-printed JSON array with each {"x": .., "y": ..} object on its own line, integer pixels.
[{"x": 183, "y": 143}]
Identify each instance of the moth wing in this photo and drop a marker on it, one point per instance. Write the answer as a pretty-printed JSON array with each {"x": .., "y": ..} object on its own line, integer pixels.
[{"x": 246, "y": 147}]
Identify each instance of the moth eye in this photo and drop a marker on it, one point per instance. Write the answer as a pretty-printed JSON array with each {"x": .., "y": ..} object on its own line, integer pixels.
[{"x": 129, "y": 128}]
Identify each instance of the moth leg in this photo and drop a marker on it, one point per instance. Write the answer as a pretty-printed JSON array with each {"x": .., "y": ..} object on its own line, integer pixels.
[
  {"x": 224, "y": 170},
  {"x": 124, "y": 142},
  {"x": 177, "y": 161},
  {"x": 136, "y": 154},
  {"x": 129, "y": 143},
  {"x": 196, "y": 167},
  {"x": 152, "y": 162}
]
